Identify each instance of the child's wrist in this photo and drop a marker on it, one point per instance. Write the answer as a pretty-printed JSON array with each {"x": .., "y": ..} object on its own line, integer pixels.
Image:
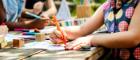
[{"x": 92, "y": 43}]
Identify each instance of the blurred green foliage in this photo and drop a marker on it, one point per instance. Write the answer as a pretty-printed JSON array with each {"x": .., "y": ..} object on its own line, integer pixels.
[
  {"x": 100, "y": 1},
  {"x": 76, "y": 2},
  {"x": 96, "y": 1}
]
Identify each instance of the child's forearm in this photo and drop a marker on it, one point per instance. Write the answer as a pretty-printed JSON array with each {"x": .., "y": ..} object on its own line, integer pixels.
[
  {"x": 126, "y": 39},
  {"x": 12, "y": 25}
]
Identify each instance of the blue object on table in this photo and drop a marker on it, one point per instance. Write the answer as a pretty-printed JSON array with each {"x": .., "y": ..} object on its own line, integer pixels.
[
  {"x": 33, "y": 15},
  {"x": 29, "y": 33}
]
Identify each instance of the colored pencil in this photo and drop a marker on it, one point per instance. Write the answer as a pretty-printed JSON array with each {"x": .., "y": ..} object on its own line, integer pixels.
[{"x": 59, "y": 29}]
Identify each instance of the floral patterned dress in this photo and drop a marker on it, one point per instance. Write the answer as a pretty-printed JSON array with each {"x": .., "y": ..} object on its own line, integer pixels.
[{"x": 117, "y": 16}]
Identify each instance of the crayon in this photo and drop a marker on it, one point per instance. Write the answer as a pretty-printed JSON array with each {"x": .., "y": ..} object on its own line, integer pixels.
[
  {"x": 21, "y": 29},
  {"x": 28, "y": 33},
  {"x": 33, "y": 15},
  {"x": 59, "y": 29}
]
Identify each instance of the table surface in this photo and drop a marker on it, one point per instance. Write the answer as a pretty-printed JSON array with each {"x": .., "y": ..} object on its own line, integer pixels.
[{"x": 44, "y": 54}]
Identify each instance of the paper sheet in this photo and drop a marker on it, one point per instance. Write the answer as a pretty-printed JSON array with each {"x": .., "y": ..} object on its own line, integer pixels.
[
  {"x": 43, "y": 45},
  {"x": 10, "y": 37}
]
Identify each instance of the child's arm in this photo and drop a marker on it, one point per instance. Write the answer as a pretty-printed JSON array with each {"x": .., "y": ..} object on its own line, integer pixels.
[
  {"x": 51, "y": 9},
  {"x": 127, "y": 39},
  {"x": 28, "y": 24},
  {"x": 2, "y": 12},
  {"x": 92, "y": 24}
]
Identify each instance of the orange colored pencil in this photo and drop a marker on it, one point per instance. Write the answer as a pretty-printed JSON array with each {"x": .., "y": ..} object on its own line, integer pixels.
[{"x": 59, "y": 29}]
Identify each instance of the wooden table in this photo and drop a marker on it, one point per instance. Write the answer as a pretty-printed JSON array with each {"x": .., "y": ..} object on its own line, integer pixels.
[
  {"x": 41, "y": 54},
  {"x": 65, "y": 55},
  {"x": 15, "y": 54},
  {"x": 44, "y": 54}
]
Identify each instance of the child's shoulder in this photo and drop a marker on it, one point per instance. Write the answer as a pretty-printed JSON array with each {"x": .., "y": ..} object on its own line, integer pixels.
[{"x": 105, "y": 5}]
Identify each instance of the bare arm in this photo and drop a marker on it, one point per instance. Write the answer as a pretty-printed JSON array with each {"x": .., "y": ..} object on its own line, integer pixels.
[
  {"x": 51, "y": 8},
  {"x": 12, "y": 25},
  {"x": 92, "y": 24},
  {"x": 2, "y": 13},
  {"x": 126, "y": 39},
  {"x": 28, "y": 24}
]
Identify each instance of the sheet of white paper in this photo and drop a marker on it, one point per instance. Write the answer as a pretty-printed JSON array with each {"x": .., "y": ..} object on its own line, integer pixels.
[
  {"x": 48, "y": 29},
  {"x": 36, "y": 45},
  {"x": 43, "y": 45},
  {"x": 10, "y": 37}
]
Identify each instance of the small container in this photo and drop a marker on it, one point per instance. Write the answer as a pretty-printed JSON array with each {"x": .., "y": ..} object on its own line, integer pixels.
[
  {"x": 40, "y": 37},
  {"x": 3, "y": 29},
  {"x": 18, "y": 42}
]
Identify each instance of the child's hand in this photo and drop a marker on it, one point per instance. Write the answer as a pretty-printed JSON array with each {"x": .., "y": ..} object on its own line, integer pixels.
[
  {"x": 44, "y": 15},
  {"x": 38, "y": 7},
  {"x": 56, "y": 36},
  {"x": 68, "y": 32},
  {"x": 78, "y": 43}
]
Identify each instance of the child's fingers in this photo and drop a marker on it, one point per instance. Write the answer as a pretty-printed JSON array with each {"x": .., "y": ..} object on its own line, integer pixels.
[
  {"x": 68, "y": 46},
  {"x": 71, "y": 45},
  {"x": 57, "y": 34},
  {"x": 52, "y": 35},
  {"x": 77, "y": 47},
  {"x": 56, "y": 40}
]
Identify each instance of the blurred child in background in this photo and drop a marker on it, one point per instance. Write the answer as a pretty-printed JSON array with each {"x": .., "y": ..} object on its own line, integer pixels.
[
  {"x": 10, "y": 14},
  {"x": 44, "y": 8}
]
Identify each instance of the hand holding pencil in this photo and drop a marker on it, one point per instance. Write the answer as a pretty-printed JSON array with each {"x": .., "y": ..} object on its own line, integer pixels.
[
  {"x": 62, "y": 36},
  {"x": 39, "y": 21}
]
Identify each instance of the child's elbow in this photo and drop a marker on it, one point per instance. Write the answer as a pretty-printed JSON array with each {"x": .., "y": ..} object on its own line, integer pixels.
[
  {"x": 54, "y": 11},
  {"x": 135, "y": 41}
]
